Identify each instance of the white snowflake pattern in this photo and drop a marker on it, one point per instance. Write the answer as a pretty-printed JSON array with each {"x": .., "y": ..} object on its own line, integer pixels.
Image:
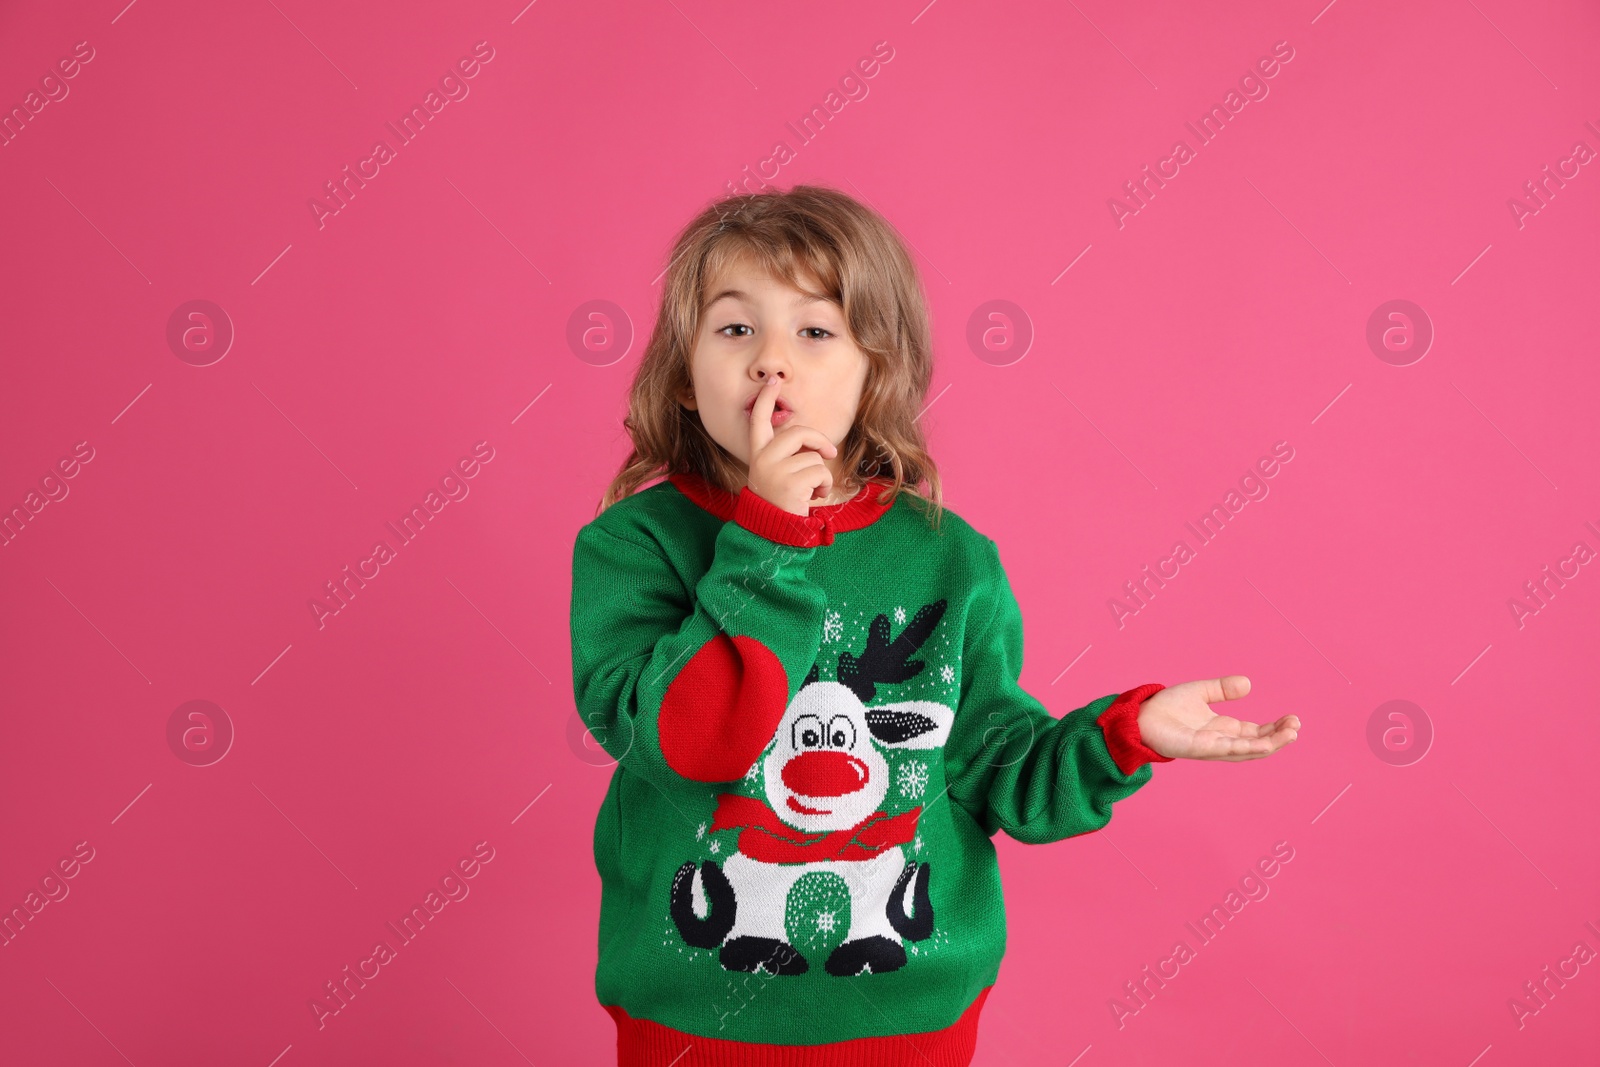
[
  {"x": 715, "y": 846},
  {"x": 825, "y": 921},
  {"x": 899, "y": 616},
  {"x": 832, "y": 627},
  {"x": 754, "y": 772},
  {"x": 700, "y": 831},
  {"x": 948, "y": 673},
  {"x": 913, "y": 778},
  {"x": 917, "y": 844}
]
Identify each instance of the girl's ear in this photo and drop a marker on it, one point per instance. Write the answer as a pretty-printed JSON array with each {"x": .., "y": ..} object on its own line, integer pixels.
[{"x": 686, "y": 398}]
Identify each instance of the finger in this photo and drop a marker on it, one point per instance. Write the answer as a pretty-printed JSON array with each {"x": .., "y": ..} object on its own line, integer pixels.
[
  {"x": 1267, "y": 729},
  {"x": 816, "y": 474},
  {"x": 1225, "y": 745},
  {"x": 1269, "y": 743},
  {"x": 761, "y": 415},
  {"x": 1228, "y": 687},
  {"x": 824, "y": 489},
  {"x": 812, "y": 438},
  {"x": 794, "y": 465},
  {"x": 1240, "y": 727},
  {"x": 1236, "y": 748},
  {"x": 793, "y": 438},
  {"x": 1231, "y": 727},
  {"x": 1227, "y": 724}
]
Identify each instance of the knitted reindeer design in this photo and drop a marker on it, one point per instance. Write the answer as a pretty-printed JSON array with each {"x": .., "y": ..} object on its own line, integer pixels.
[{"x": 824, "y": 778}]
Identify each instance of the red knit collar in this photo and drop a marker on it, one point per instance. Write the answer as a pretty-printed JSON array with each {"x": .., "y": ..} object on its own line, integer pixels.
[{"x": 861, "y": 510}]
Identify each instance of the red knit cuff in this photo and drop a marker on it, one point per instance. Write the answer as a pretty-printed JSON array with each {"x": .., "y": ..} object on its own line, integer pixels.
[
  {"x": 759, "y": 515},
  {"x": 1120, "y": 723}
]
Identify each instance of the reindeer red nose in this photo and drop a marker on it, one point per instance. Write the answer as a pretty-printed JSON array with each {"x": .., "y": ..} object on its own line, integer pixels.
[{"x": 824, "y": 774}]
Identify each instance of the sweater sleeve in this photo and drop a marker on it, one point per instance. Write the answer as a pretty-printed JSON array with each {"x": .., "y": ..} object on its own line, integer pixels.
[
  {"x": 690, "y": 684},
  {"x": 1015, "y": 767}
]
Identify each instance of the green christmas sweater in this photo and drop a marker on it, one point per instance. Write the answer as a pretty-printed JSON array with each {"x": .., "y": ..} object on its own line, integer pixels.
[{"x": 818, "y": 729}]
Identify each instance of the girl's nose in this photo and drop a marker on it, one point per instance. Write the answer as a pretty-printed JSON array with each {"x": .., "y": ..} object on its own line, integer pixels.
[{"x": 772, "y": 359}]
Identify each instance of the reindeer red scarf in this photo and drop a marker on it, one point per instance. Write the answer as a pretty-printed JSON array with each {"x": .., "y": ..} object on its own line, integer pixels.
[{"x": 769, "y": 839}]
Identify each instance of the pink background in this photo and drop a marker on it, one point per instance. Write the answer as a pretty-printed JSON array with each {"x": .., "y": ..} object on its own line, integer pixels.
[{"x": 433, "y": 711}]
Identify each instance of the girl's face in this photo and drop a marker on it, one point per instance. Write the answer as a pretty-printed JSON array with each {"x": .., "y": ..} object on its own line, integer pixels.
[{"x": 754, "y": 327}]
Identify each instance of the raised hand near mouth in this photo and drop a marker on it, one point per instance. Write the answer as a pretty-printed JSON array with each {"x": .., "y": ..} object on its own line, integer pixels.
[{"x": 787, "y": 465}]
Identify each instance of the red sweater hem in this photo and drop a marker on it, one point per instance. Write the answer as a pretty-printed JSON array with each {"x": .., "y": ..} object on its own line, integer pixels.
[{"x": 643, "y": 1043}]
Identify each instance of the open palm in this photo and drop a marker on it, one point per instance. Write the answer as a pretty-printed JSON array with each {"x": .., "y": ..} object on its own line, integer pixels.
[{"x": 1178, "y": 723}]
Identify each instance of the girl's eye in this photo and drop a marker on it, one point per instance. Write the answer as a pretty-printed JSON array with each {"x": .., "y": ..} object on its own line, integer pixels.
[{"x": 806, "y": 330}]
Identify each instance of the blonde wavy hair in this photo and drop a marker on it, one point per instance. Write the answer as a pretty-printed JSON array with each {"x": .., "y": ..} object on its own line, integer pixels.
[{"x": 856, "y": 258}]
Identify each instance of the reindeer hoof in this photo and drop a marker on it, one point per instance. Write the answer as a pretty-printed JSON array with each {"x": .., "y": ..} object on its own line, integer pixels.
[
  {"x": 763, "y": 953},
  {"x": 698, "y": 932},
  {"x": 918, "y": 925},
  {"x": 873, "y": 955}
]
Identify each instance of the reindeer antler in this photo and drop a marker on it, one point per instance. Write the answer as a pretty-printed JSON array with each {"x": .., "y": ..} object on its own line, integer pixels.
[{"x": 887, "y": 661}]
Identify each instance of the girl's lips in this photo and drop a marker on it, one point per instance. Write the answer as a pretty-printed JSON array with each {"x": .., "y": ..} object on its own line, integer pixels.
[{"x": 778, "y": 409}]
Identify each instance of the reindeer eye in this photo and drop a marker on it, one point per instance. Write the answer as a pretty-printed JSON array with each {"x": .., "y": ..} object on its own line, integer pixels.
[
  {"x": 841, "y": 732},
  {"x": 807, "y": 732}
]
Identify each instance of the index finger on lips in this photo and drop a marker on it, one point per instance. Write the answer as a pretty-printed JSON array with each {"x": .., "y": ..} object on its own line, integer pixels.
[{"x": 761, "y": 416}]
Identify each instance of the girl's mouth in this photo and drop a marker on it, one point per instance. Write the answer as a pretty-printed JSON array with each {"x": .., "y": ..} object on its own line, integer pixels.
[{"x": 781, "y": 412}]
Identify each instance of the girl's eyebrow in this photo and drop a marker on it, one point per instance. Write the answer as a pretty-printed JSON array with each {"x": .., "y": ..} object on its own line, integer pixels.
[{"x": 739, "y": 294}]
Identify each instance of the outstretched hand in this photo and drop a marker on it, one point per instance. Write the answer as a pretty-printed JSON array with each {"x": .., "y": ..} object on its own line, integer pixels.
[{"x": 1179, "y": 723}]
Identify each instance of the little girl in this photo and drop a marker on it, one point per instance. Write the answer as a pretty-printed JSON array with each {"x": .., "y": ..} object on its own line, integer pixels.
[{"x": 809, "y": 681}]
